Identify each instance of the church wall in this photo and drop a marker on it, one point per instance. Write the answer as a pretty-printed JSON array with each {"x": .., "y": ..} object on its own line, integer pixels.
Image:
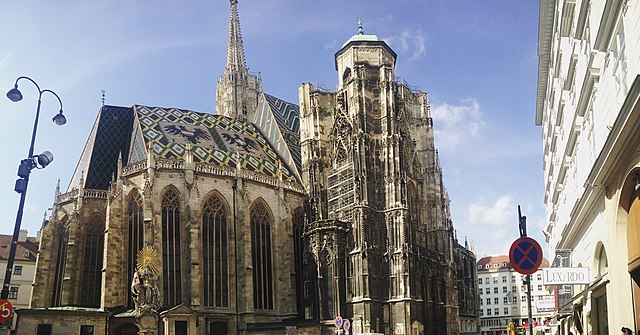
[
  {"x": 193, "y": 193},
  {"x": 62, "y": 322}
]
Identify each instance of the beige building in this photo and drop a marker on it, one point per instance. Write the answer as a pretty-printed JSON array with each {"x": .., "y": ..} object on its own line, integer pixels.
[
  {"x": 269, "y": 217},
  {"x": 24, "y": 267},
  {"x": 587, "y": 107}
]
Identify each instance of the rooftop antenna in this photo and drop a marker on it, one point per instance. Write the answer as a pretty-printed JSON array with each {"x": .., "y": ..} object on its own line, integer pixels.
[
  {"x": 360, "y": 30},
  {"x": 103, "y": 97}
]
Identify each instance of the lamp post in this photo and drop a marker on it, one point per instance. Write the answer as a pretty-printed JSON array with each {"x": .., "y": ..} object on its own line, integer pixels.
[{"x": 24, "y": 170}]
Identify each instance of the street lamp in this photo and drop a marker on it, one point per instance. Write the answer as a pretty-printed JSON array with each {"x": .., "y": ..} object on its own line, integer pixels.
[{"x": 24, "y": 170}]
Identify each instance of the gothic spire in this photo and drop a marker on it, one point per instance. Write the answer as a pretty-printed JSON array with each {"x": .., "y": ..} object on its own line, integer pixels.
[{"x": 235, "y": 49}]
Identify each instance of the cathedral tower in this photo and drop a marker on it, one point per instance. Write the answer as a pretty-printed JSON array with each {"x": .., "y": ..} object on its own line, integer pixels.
[
  {"x": 238, "y": 90},
  {"x": 379, "y": 225}
]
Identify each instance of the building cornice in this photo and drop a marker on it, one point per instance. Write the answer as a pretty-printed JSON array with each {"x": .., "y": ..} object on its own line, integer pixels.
[{"x": 545, "y": 32}]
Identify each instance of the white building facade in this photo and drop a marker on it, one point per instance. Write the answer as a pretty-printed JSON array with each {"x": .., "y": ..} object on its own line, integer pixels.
[
  {"x": 587, "y": 106},
  {"x": 503, "y": 296}
]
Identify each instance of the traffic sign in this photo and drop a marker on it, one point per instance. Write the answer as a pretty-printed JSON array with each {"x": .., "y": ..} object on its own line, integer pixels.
[
  {"x": 6, "y": 311},
  {"x": 346, "y": 325},
  {"x": 338, "y": 321},
  {"x": 525, "y": 255}
]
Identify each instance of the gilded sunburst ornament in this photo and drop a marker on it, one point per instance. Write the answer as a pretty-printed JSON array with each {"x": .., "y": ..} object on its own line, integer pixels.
[{"x": 148, "y": 258}]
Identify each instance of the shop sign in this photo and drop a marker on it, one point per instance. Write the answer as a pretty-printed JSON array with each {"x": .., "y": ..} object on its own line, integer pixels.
[
  {"x": 546, "y": 304},
  {"x": 569, "y": 276}
]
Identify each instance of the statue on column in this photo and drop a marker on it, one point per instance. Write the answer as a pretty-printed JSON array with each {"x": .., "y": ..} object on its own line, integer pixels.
[{"x": 146, "y": 294}]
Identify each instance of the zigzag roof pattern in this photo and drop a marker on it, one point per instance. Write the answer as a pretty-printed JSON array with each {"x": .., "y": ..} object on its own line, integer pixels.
[
  {"x": 214, "y": 139},
  {"x": 280, "y": 121},
  {"x": 130, "y": 132}
]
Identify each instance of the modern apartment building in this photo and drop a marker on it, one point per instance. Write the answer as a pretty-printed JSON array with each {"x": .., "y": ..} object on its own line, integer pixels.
[{"x": 503, "y": 295}]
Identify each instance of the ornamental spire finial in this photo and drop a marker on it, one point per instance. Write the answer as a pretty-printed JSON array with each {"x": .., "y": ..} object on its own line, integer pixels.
[
  {"x": 360, "y": 30},
  {"x": 235, "y": 49}
]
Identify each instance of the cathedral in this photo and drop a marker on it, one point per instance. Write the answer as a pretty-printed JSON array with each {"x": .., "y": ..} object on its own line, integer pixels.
[{"x": 267, "y": 217}]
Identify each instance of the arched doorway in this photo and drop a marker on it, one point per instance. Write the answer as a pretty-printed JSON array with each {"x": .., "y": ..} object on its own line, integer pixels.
[{"x": 633, "y": 247}]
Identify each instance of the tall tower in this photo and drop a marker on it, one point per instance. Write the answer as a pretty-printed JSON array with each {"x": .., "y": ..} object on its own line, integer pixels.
[
  {"x": 379, "y": 227},
  {"x": 238, "y": 90}
]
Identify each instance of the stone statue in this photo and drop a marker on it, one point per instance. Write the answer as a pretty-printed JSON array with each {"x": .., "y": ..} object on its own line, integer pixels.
[{"x": 146, "y": 294}]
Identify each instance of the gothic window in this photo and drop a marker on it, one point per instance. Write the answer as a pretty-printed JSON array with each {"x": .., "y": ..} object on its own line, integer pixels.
[
  {"x": 215, "y": 253},
  {"x": 244, "y": 109},
  {"x": 346, "y": 76},
  {"x": 135, "y": 228},
  {"x": 92, "y": 268},
  {"x": 414, "y": 217},
  {"x": 298, "y": 230},
  {"x": 341, "y": 155},
  {"x": 171, "y": 270},
  {"x": 61, "y": 262},
  {"x": 261, "y": 257}
]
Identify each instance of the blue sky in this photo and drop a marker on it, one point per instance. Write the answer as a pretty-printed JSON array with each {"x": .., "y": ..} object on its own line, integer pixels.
[{"x": 476, "y": 59}]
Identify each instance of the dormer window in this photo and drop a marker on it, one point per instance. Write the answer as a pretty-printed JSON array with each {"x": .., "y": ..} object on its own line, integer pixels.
[
  {"x": 486, "y": 266},
  {"x": 26, "y": 253},
  {"x": 495, "y": 266},
  {"x": 504, "y": 264},
  {"x": 479, "y": 267}
]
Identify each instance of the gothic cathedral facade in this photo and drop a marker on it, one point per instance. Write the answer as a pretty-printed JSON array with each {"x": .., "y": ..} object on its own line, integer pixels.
[{"x": 268, "y": 217}]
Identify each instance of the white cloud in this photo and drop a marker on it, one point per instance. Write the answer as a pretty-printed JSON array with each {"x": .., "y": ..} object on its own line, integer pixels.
[
  {"x": 331, "y": 45},
  {"x": 409, "y": 43},
  {"x": 500, "y": 213},
  {"x": 456, "y": 124}
]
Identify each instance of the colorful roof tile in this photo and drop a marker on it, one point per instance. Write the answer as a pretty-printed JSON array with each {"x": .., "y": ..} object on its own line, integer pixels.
[{"x": 213, "y": 139}]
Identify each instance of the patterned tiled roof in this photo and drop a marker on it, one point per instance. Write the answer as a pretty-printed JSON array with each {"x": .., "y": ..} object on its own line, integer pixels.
[
  {"x": 214, "y": 139},
  {"x": 280, "y": 122},
  {"x": 108, "y": 139}
]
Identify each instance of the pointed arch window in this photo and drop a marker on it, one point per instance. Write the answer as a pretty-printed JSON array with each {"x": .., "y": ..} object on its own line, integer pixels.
[
  {"x": 261, "y": 257},
  {"x": 215, "y": 253},
  {"x": 61, "y": 262},
  {"x": 92, "y": 267},
  {"x": 602, "y": 262},
  {"x": 171, "y": 265},
  {"x": 135, "y": 220}
]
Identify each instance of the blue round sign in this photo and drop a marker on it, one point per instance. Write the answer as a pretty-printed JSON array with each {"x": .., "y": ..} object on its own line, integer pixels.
[
  {"x": 525, "y": 255},
  {"x": 338, "y": 321},
  {"x": 346, "y": 325}
]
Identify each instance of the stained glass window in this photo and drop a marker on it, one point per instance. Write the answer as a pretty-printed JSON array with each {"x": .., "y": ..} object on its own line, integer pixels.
[
  {"x": 135, "y": 221},
  {"x": 261, "y": 257},
  {"x": 171, "y": 266},
  {"x": 215, "y": 253}
]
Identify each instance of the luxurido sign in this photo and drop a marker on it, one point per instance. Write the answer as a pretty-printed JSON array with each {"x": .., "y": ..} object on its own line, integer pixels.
[{"x": 569, "y": 276}]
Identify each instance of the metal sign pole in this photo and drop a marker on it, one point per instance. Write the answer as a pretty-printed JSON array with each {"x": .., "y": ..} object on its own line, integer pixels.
[
  {"x": 522, "y": 225},
  {"x": 529, "y": 303}
]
